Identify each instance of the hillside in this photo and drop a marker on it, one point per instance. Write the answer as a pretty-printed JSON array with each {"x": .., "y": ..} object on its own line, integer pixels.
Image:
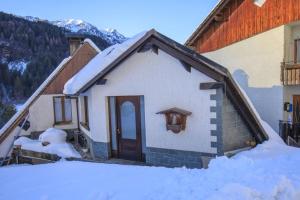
[{"x": 31, "y": 48}]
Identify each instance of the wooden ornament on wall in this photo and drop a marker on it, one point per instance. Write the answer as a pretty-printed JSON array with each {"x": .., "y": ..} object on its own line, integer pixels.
[{"x": 175, "y": 119}]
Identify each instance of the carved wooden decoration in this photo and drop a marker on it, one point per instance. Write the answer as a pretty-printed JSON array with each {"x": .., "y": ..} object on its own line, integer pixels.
[{"x": 175, "y": 119}]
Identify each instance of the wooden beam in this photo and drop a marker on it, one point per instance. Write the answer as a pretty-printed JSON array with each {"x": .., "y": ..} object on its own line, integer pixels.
[
  {"x": 101, "y": 81},
  {"x": 186, "y": 66},
  {"x": 220, "y": 18},
  {"x": 148, "y": 46},
  {"x": 211, "y": 85},
  {"x": 13, "y": 126}
]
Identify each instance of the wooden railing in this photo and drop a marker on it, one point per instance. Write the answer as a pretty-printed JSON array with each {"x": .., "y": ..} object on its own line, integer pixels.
[{"x": 290, "y": 73}]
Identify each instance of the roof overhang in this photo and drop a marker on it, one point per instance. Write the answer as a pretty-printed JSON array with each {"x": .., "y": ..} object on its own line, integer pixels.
[{"x": 207, "y": 21}]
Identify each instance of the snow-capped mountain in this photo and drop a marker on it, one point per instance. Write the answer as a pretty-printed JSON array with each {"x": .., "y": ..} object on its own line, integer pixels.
[{"x": 80, "y": 26}]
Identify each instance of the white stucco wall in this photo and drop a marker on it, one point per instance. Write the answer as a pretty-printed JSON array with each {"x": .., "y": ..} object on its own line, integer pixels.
[
  {"x": 41, "y": 114},
  {"x": 164, "y": 83},
  {"x": 256, "y": 63}
]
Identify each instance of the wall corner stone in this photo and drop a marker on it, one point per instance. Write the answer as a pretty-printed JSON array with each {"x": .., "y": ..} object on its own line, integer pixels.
[{"x": 217, "y": 121}]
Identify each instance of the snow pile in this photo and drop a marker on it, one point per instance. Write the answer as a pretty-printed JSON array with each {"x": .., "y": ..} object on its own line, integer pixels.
[
  {"x": 98, "y": 64},
  {"x": 53, "y": 136},
  {"x": 57, "y": 140}
]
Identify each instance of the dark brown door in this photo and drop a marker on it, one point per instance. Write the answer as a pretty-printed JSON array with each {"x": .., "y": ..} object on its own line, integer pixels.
[
  {"x": 296, "y": 108},
  {"x": 129, "y": 127}
]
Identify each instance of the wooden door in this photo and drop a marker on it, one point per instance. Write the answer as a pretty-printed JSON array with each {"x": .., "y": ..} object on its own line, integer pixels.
[
  {"x": 296, "y": 109},
  {"x": 129, "y": 127}
]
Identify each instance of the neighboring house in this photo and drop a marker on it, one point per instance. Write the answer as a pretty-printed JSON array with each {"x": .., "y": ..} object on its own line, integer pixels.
[
  {"x": 48, "y": 106},
  {"x": 258, "y": 41},
  {"x": 148, "y": 99},
  {"x": 152, "y": 99}
]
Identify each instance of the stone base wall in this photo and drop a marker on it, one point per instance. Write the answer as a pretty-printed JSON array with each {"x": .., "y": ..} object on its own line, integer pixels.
[
  {"x": 177, "y": 158},
  {"x": 99, "y": 150},
  {"x": 235, "y": 131}
]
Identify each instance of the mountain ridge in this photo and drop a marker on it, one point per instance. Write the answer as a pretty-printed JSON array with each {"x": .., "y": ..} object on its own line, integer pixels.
[{"x": 80, "y": 26}]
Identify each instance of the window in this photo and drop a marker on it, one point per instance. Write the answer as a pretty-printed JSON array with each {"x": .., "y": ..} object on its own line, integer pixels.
[
  {"x": 62, "y": 110},
  {"x": 85, "y": 113},
  {"x": 297, "y": 51}
]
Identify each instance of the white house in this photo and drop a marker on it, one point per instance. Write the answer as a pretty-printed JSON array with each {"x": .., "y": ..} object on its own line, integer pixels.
[{"x": 151, "y": 99}]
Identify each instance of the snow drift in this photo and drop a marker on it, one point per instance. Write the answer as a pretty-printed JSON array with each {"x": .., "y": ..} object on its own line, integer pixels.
[
  {"x": 53, "y": 136},
  {"x": 57, "y": 143}
]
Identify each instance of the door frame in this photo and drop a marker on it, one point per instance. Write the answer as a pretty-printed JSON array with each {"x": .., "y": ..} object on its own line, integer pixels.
[
  {"x": 136, "y": 100},
  {"x": 294, "y": 106}
]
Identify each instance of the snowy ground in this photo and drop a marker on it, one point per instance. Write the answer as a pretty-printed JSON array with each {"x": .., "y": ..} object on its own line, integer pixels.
[{"x": 270, "y": 171}]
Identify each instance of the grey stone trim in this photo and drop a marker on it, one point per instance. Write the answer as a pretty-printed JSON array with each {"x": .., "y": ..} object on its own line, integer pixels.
[
  {"x": 213, "y": 109},
  {"x": 175, "y": 158},
  {"x": 214, "y": 133},
  {"x": 214, "y": 144},
  {"x": 99, "y": 150},
  {"x": 218, "y": 97}
]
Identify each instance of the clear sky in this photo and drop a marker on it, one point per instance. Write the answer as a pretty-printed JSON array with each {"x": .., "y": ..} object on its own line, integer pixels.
[{"x": 175, "y": 18}]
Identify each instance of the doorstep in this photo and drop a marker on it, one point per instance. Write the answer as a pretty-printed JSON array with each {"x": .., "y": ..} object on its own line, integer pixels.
[{"x": 110, "y": 161}]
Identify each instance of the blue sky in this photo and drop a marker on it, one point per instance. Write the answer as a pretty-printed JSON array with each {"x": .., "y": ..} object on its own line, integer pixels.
[{"x": 175, "y": 18}]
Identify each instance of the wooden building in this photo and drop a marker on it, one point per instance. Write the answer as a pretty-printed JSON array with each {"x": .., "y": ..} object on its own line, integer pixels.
[{"x": 258, "y": 41}]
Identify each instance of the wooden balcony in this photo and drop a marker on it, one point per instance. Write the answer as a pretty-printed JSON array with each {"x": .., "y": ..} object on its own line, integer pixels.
[{"x": 290, "y": 73}]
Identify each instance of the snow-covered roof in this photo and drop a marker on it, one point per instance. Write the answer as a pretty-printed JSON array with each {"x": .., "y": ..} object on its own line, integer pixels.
[
  {"x": 99, "y": 63},
  {"x": 87, "y": 40}
]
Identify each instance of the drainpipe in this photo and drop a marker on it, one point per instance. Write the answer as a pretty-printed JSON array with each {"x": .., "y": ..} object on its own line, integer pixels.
[{"x": 77, "y": 112}]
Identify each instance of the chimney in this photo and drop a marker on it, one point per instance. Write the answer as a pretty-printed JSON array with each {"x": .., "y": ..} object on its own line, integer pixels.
[{"x": 75, "y": 41}]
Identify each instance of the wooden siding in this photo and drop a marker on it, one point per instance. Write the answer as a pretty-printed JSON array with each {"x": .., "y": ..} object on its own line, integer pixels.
[
  {"x": 83, "y": 55},
  {"x": 243, "y": 19}
]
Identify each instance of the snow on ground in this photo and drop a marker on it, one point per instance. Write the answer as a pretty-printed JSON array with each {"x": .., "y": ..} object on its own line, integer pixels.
[
  {"x": 270, "y": 171},
  {"x": 57, "y": 140}
]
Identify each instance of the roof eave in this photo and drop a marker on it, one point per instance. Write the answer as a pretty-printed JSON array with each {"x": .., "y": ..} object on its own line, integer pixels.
[{"x": 190, "y": 41}]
